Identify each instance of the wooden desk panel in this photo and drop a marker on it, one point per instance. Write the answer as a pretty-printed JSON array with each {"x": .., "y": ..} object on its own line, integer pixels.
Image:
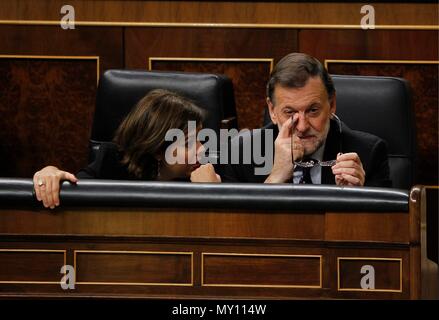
[{"x": 169, "y": 253}]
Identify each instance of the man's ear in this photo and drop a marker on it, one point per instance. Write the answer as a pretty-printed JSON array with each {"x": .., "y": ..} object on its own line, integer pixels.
[
  {"x": 333, "y": 103},
  {"x": 271, "y": 111}
]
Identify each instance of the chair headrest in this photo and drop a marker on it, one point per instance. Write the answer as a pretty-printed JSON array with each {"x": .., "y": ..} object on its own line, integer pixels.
[
  {"x": 378, "y": 105},
  {"x": 120, "y": 90}
]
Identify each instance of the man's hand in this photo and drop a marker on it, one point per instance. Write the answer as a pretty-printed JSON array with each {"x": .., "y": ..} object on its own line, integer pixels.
[
  {"x": 287, "y": 149},
  {"x": 46, "y": 185},
  {"x": 348, "y": 170},
  {"x": 205, "y": 173}
]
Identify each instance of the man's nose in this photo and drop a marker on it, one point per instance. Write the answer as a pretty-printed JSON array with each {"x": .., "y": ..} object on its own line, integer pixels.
[{"x": 302, "y": 123}]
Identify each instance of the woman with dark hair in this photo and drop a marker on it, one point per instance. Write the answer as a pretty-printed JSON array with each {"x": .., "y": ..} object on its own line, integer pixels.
[{"x": 138, "y": 149}]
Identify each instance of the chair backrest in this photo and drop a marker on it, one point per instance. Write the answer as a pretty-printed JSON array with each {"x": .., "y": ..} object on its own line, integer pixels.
[
  {"x": 120, "y": 90},
  {"x": 381, "y": 106}
]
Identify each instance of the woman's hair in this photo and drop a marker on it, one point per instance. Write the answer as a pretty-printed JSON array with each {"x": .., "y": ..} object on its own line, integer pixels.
[{"x": 141, "y": 135}]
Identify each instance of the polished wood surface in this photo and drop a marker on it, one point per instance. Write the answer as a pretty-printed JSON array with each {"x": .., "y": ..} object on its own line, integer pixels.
[
  {"x": 39, "y": 96},
  {"x": 27, "y": 265},
  {"x": 125, "y": 267},
  {"x": 241, "y": 54},
  {"x": 222, "y": 12},
  {"x": 261, "y": 270},
  {"x": 212, "y": 253}
]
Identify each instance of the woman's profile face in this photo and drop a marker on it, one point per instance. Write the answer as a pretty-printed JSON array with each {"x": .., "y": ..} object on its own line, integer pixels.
[{"x": 192, "y": 149}]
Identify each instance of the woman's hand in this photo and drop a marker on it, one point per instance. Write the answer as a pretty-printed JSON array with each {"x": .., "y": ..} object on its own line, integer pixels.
[
  {"x": 46, "y": 185},
  {"x": 205, "y": 173}
]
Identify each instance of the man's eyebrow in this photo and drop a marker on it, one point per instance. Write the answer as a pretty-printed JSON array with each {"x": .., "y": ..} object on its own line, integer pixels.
[{"x": 314, "y": 104}]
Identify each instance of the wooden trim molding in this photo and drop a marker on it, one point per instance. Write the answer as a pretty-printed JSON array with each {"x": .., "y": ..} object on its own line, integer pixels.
[
  {"x": 260, "y": 255},
  {"x": 369, "y": 259},
  {"x": 217, "y": 25},
  {"x": 152, "y": 59},
  {"x": 7, "y": 56},
  {"x": 64, "y": 252},
  {"x": 328, "y": 61},
  {"x": 75, "y": 266}
]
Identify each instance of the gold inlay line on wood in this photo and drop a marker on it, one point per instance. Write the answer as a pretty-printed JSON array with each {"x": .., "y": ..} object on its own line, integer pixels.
[
  {"x": 369, "y": 259},
  {"x": 50, "y": 57},
  {"x": 189, "y": 59},
  {"x": 320, "y": 257},
  {"x": 191, "y": 254},
  {"x": 328, "y": 61},
  {"x": 64, "y": 252},
  {"x": 220, "y": 25}
]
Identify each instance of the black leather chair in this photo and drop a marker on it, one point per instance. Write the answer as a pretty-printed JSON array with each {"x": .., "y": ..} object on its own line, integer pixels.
[
  {"x": 120, "y": 90},
  {"x": 381, "y": 106}
]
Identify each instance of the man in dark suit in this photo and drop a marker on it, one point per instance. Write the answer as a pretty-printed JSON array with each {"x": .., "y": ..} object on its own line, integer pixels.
[{"x": 311, "y": 145}]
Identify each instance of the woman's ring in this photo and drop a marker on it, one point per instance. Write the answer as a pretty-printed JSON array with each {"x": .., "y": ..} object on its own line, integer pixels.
[{"x": 40, "y": 182}]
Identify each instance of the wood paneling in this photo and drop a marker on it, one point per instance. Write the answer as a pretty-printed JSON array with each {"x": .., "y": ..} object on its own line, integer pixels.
[
  {"x": 371, "y": 44},
  {"x": 133, "y": 268},
  {"x": 31, "y": 266},
  {"x": 384, "y": 226},
  {"x": 261, "y": 270},
  {"x": 47, "y": 108},
  {"x": 159, "y": 222},
  {"x": 249, "y": 95},
  {"x": 386, "y": 273},
  {"x": 106, "y": 43},
  {"x": 138, "y": 249},
  {"x": 267, "y": 12},
  {"x": 143, "y": 43},
  {"x": 47, "y": 104}
]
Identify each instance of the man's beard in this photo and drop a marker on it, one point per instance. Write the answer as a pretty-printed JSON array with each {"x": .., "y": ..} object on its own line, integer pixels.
[{"x": 319, "y": 139}]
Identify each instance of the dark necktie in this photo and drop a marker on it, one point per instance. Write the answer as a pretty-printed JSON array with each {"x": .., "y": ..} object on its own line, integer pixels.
[
  {"x": 306, "y": 173},
  {"x": 306, "y": 177}
]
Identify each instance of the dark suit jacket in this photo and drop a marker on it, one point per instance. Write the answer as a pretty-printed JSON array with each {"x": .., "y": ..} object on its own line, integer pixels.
[
  {"x": 106, "y": 165},
  {"x": 371, "y": 150}
]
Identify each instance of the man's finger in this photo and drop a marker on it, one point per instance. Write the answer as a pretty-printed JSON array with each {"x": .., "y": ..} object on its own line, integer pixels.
[
  {"x": 286, "y": 129},
  {"x": 351, "y": 179},
  {"x": 349, "y": 156},
  {"x": 347, "y": 164},
  {"x": 349, "y": 171}
]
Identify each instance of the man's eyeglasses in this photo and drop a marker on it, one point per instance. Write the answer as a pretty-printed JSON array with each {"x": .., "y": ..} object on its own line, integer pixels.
[{"x": 312, "y": 163}]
